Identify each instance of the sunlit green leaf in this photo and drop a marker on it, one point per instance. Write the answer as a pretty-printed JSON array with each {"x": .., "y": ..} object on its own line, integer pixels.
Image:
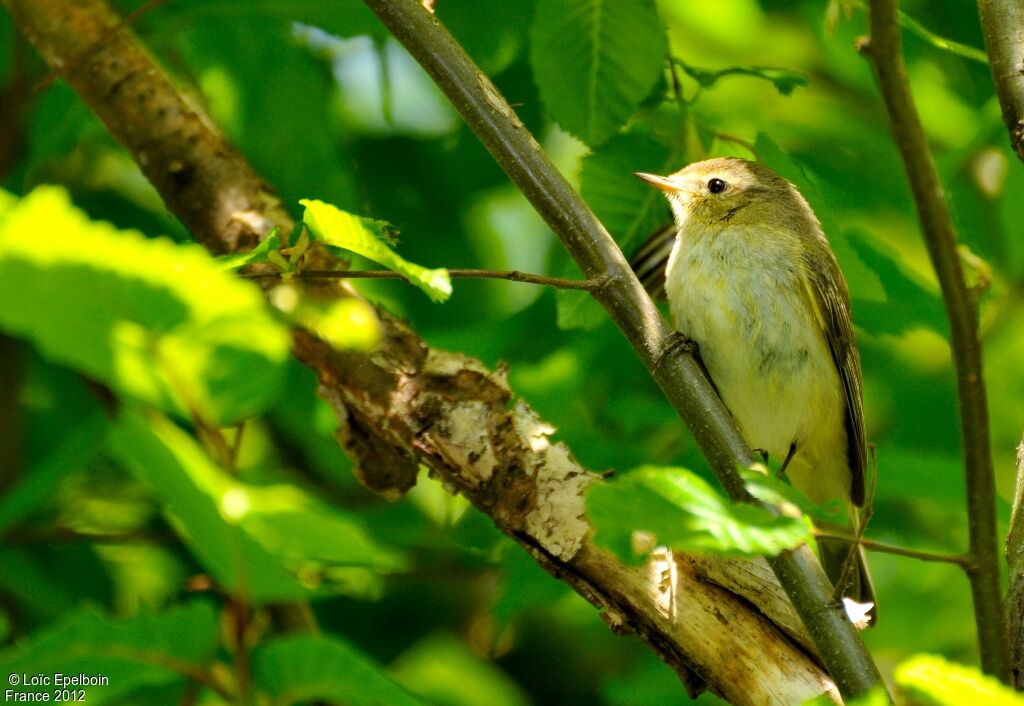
[
  {"x": 151, "y": 319},
  {"x": 595, "y": 61},
  {"x": 270, "y": 543},
  {"x": 680, "y": 510},
  {"x": 259, "y": 253},
  {"x": 367, "y": 238},
  {"x": 147, "y": 650},
  {"x": 344, "y": 323},
  {"x": 314, "y": 668},
  {"x": 7, "y": 202},
  {"x": 932, "y": 681}
]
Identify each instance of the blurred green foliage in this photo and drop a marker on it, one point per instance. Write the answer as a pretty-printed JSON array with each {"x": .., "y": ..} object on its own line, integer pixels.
[{"x": 109, "y": 529}]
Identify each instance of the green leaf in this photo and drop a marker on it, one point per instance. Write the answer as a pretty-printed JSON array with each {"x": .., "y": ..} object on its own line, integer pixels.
[
  {"x": 344, "y": 323},
  {"x": 595, "y": 61},
  {"x": 443, "y": 670},
  {"x": 629, "y": 208},
  {"x": 7, "y": 202},
  {"x": 368, "y": 238},
  {"x": 346, "y": 18},
  {"x": 524, "y": 586},
  {"x": 679, "y": 509},
  {"x": 909, "y": 304},
  {"x": 932, "y": 681},
  {"x": 148, "y": 650},
  {"x": 268, "y": 543},
  {"x": 575, "y": 308},
  {"x": 153, "y": 320},
  {"x": 76, "y": 446},
  {"x": 784, "y": 80},
  {"x": 493, "y": 32},
  {"x": 307, "y": 668},
  {"x": 260, "y": 253},
  {"x": 37, "y": 577}
]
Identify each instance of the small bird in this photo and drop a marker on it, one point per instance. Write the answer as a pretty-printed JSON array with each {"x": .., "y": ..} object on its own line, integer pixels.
[{"x": 751, "y": 279}]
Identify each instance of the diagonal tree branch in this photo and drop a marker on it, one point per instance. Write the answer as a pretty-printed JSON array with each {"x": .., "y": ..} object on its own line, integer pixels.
[
  {"x": 407, "y": 404},
  {"x": 224, "y": 204},
  {"x": 674, "y": 369},
  {"x": 1003, "y": 25},
  {"x": 886, "y": 55}
]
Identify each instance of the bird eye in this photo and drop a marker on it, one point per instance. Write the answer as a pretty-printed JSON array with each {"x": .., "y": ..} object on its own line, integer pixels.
[{"x": 716, "y": 186}]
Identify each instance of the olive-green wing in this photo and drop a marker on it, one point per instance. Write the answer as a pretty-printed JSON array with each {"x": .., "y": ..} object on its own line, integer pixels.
[{"x": 828, "y": 294}]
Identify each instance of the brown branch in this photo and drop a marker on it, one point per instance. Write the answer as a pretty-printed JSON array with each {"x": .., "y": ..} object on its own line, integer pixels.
[
  {"x": 886, "y": 55},
  {"x": 15, "y": 104},
  {"x": 214, "y": 192},
  {"x": 1003, "y": 24},
  {"x": 407, "y": 404},
  {"x": 1015, "y": 560}
]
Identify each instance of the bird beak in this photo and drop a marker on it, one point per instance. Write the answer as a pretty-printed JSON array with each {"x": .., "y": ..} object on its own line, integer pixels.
[{"x": 658, "y": 182}]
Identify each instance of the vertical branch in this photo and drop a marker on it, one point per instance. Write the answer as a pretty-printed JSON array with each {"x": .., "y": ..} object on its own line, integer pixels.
[
  {"x": 1003, "y": 24},
  {"x": 983, "y": 571},
  {"x": 673, "y": 368},
  {"x": 1015, "y": 559}
]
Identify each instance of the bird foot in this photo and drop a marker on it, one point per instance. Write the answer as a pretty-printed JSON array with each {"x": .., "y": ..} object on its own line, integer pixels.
[{"x": 676, "y": 341}]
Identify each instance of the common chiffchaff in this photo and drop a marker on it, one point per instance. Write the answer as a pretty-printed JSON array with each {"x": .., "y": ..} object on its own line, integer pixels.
[{"x": 751, "y": 279}]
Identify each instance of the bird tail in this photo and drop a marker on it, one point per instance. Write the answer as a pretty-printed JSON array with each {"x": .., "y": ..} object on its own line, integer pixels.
[{"x": 835, "y": 553}]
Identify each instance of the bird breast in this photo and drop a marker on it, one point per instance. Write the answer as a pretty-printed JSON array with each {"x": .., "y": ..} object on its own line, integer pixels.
[{"x": 738, "y": 292}]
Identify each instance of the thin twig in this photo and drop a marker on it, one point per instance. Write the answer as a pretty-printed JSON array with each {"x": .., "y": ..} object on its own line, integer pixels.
[
  {"x": 678, "y": 374},
  {"x": 511, "y": 275},
  {"x": 862, "y": 525},
  {"x": 887, "y": 57},
  {"x": 962, "y": 560}
]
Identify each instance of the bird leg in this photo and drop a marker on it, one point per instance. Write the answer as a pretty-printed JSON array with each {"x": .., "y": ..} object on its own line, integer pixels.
[
  {"x": 785, "y": 464},
  {"x": 676, "y": 341}
]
